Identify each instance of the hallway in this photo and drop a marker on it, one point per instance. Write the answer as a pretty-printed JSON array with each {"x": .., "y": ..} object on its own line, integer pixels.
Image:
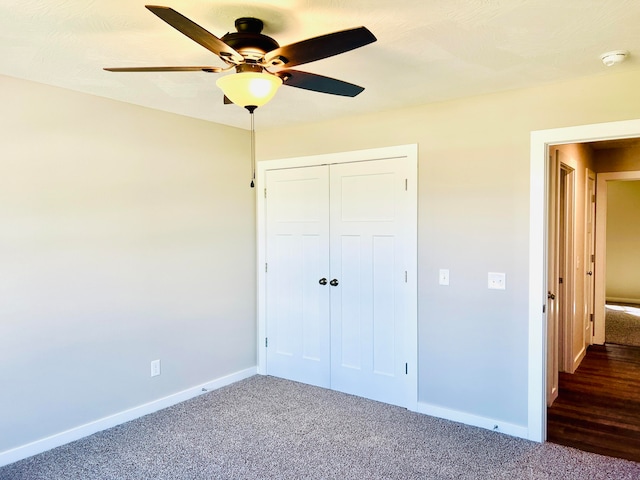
[{"x": 598, "y": 407}]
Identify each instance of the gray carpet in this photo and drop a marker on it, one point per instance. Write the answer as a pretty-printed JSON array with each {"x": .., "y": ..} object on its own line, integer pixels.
[
  {"x": 268, "y": 428},
  {"x": 622, "y": 324}
]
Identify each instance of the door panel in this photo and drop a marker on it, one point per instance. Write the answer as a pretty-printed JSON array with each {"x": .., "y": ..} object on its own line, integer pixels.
[
  {"x": 384, "y": 333},
  {"x": 552, "y": 278},
  {"x": 367, "y": 308},
  {"x": 346, "y": 269},
  {"x": 297, "y": 306}
]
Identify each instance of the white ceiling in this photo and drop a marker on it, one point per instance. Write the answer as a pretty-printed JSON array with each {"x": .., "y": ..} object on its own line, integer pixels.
[{"x": 427, "y": 50}]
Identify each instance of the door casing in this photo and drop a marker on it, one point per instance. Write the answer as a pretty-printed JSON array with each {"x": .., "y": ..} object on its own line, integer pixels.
[{"x": 537, "y": 364}]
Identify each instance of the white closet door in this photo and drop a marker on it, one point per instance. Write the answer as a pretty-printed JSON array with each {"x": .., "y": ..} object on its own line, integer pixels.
[
  {"x": 369, "y": 231},
  {"x": 297, "y": 254}
]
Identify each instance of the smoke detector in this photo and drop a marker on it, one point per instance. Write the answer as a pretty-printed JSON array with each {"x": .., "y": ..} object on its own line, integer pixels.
[{"x": 614, "y": 58}]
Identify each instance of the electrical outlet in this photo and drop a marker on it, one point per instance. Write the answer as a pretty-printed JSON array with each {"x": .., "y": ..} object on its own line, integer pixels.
[
  {"x": 443, "y": 276},
  {"x": 497, "y": 281},
  {"x": 155, "y": 368}
]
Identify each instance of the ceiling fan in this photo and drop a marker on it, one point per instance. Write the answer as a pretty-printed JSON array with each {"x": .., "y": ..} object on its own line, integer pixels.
[{"x": 259, "y": 59}]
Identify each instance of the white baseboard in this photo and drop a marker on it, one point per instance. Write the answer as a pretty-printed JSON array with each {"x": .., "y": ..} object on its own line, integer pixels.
[
  {"x": 474, "y": 420},
  {"x": 81, "y": 431},
  {"x": 634, "y": 301},
  {"x": 578, "y": 359}
]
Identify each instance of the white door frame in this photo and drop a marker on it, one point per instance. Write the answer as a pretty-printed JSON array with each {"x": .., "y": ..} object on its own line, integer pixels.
[
  {"x": 601, "y": 248},
  {"x": 401, "y": 151},
  {"x": 540, "y": 141}
]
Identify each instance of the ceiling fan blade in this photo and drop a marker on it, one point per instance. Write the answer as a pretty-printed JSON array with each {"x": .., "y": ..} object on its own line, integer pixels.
[
  {"x": 196, "y": 33},
  {"x": 318, "y": 83},
  {"x": 165, "y": 69},
  {"x": 317, "y": 48}
]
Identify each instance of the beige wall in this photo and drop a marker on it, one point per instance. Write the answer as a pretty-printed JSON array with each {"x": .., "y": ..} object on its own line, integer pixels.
[
  {"x": 119, "y": 244},
  {"x": 622, "y": 282},
  {"x": 617, "y": 159},
  {"x": 623, "y": 241},
  {"x": 127, "y": 235},
  {"x": 473, "y": 219}
]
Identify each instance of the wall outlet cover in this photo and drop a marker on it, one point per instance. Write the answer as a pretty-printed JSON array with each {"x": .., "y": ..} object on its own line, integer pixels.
[{"x": 497, "y": 281}]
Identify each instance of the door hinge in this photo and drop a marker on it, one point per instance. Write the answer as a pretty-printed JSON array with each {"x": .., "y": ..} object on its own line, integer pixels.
[
  {"x": 406, "y": 278},
  {"x": 591, "y": 317},
  {"x": 406, "y": 185},
  {"x": 544, "y": 309},
  {"x": 265, "y": 192},
  {"x": 406, "y": 369},
  {"x": 560, "y": 280},
  {"x": 593, "y": 258},
  {"x": 593, "y": 198},
  {"x": 266, "y": 342},
  {"x": 266, "y": 267}
]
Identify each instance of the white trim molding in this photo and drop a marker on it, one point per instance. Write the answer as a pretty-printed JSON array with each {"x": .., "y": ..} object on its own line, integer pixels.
[
  {"x": 81, "y": 431},
  {"x": 474, "y": 420},
  {"x": 540, "y": 141},
  {"x": 633, "y": 301}
]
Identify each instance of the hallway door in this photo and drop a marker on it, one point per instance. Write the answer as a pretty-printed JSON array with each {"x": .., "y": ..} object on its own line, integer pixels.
[
  {"x": 590, "y": 261},
  {"x": 553, "y": 284}
]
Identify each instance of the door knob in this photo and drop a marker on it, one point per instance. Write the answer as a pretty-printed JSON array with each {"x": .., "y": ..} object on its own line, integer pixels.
[
  {"x": 589, "y": 273},
  {"x": 333, "y": 283},
  {"x": 323, "y": 281},
  {"x": 551, "y": 296}
]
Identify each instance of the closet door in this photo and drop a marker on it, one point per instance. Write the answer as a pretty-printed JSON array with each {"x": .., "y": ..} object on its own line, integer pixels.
[
  {"x": 297, "y": 254},
  {"x": 335, "y": 288},
  {"x": 369, "y": 228}
]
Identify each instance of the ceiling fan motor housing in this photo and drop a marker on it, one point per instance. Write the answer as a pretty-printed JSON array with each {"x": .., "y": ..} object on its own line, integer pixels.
[{"x": 248, "y": 40}]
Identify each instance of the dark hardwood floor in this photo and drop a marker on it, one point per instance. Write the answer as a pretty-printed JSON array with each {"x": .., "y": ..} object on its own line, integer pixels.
[{"x": 598, "y": 407}]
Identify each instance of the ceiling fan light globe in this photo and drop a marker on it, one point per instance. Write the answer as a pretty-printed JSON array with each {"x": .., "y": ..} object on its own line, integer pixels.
[{"x": 249, "y": 88}]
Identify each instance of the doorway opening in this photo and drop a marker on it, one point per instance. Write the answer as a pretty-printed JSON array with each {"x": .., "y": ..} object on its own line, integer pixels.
[
  {"x": 615, "y": 291},
  {"x": 538, "y": 253},
  {"x": 583, "y": 399}
]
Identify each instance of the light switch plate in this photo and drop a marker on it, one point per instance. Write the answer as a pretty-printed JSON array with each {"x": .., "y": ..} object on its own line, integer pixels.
[
  {"x": 443, "y": 276},
  {"x": 497, "y": 281},
  {"x": 155, "y": 368}
]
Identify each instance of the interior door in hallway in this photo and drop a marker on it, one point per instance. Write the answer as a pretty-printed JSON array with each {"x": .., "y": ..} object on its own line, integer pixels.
[
  {"x": 590, "y": 241},
  {"x": 553, "y": 285}
]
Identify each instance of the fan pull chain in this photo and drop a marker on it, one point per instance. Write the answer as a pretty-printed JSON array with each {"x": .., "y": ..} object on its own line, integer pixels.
[{"x": 253, "y": 151}]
